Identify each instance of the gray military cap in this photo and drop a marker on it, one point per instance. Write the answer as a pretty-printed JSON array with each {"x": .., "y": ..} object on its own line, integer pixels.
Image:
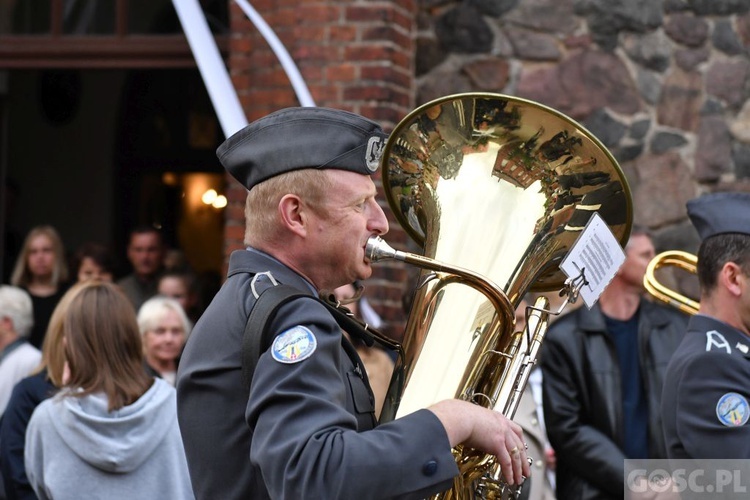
[
  {"x": 303, "y": 137},
  {"x": 720, "y": 213}
]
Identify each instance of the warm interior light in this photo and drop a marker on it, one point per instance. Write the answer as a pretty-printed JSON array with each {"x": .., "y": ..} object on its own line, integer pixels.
[
  {"x": 209, "y": 197},
  {"x": 220, "y": 201},
  {"x": 170, "y": 179}
]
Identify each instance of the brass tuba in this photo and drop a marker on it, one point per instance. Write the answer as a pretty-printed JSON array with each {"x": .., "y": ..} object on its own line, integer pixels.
[
  {"x": 495, "y": 189},
  {"x": 674, "y": 258}
]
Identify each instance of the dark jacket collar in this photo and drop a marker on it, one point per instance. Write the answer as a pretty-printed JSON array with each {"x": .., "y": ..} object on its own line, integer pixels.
[{"x": 592, "y": 320}]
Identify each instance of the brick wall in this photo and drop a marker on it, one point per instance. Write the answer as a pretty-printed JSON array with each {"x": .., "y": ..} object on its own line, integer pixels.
[{"x": 354, "y": 55}]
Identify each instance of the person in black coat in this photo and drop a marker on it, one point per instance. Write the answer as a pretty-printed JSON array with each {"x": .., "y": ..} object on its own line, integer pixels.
[{"x": 603, "y": 373}]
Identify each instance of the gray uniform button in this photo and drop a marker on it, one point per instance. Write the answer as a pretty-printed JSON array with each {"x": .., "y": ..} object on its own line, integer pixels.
[{"x": 430, "y": 468}]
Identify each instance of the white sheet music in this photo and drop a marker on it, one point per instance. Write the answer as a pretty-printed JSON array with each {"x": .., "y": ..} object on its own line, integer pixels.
[{"x": 597, "y": 254}]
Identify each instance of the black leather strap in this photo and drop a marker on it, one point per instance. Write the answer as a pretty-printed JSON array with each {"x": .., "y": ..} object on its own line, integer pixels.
[{"x": 256, "y": 337}]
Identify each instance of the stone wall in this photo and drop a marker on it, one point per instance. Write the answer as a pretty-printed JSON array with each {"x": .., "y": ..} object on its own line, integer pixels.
[{"x": 664, "y": 84}]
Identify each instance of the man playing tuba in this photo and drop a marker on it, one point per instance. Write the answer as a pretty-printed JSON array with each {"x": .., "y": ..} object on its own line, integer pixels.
[{"x": 307, "y": 428}]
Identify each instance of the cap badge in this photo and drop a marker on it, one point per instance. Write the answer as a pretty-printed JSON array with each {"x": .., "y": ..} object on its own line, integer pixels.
[
  {"x": 733, "y": 410},
  {"x": 374, "y": 151},
  {"x": 294, "y": 345}
]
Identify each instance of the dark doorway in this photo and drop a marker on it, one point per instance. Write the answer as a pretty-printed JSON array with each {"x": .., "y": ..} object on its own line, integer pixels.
[{"x": 95, "y": 152}]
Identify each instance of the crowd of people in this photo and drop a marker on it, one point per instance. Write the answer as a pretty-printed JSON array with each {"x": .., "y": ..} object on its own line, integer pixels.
[
  {"x": 158, "y": 301},
  {"x": 129, "y": 387}
]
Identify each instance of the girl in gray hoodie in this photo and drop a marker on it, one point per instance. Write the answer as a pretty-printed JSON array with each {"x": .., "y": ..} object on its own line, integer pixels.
[{"x": 112, "y": 430}]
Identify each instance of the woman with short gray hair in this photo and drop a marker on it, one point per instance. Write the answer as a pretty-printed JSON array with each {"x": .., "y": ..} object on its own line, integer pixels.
[{"x": 164, "y": 328}]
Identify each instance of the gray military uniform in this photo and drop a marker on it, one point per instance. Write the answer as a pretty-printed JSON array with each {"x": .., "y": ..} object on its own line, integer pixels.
[
  {"x": 307, "y": 429},
  {"x": 706, "y": 393}
]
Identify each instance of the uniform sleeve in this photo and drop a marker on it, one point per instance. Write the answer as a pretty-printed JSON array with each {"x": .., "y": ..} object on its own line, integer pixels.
[
  {"x": 305, "y": 441},
  {"x": 585, "y": 450},
  {"x": 712, "y": 406}
]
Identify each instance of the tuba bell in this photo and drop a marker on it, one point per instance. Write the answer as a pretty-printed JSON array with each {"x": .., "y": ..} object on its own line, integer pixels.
[{"x": 495, "y": 190}]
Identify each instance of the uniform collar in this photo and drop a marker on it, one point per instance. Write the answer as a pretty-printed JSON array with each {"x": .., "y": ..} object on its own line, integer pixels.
[
  {"x": 254, "y": 261},
  {"x": 701, "y": 324}
]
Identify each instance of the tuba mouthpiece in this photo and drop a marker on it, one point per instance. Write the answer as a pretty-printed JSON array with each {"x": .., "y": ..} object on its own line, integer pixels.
[{"x": 377, "y": 249}]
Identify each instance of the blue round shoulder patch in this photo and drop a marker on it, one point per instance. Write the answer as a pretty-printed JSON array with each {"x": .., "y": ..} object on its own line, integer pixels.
[
  {"x": 733, "y": 409},
  {"x": 294, "y": 345}
]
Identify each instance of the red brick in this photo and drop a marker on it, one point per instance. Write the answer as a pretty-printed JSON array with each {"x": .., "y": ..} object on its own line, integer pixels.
[
  {"x": 241, "y": 45},
  {"x": 315, "y": 53},
  {"x": 404, "y": 19},
  {"x": 386, "y": 73},
  {"x": 387, "y": 34},
  {"x": 319, "y": 13},
  {"x": 372, "y": 12},
  {"x": 262, "y": 6},
  {"x": 346, "y": 33},
  {"x": 367, "y": 53},
  {"x": 308, "y": 32},
  {"x": 311, "y": 72},
  {"x": 325, "y": 93},
  {"x": 343, "y": 72},
  {"x": 367, "y": 93}
]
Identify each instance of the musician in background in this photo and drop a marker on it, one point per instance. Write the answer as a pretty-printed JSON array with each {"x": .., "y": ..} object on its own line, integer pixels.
[
  {"x": 603, "y": 376},
  {"x": 706, "y": 410},
  {"x": 306, "y": 427}
]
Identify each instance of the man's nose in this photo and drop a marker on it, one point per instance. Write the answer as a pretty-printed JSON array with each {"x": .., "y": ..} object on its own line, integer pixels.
[{"x": 379, "y": 222}]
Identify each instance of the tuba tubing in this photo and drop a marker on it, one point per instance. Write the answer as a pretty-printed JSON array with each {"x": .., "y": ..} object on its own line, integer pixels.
[
  {"x": 377, "y": 249},
  {"x": 518, "y": 361},
  {"x": 674, "y": 258}
]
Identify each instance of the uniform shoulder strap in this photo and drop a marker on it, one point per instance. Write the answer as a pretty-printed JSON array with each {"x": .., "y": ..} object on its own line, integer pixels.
[{"x": 256, "y": 336}]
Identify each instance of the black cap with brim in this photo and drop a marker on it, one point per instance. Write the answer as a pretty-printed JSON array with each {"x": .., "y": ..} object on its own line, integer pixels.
[
  {"x": 304, "y": 137},
  {"x": 720, "y": 213}
]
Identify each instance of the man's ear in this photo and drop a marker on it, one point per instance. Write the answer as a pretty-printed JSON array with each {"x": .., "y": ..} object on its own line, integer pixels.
[
  {"x": 732, "y": 277},
  {"x": 292, "y": 214}
]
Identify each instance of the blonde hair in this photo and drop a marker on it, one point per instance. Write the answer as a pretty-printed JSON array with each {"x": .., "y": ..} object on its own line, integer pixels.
[
  {"x": 103, "y": 346},
  {"x": 22, "y": 276},
  {"x": 261, "y": 216},
  {"x": 152, "y": 312}
]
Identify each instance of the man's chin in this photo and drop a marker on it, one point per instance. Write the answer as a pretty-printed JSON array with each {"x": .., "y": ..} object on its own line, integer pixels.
[{"x": 366, "y": 272}]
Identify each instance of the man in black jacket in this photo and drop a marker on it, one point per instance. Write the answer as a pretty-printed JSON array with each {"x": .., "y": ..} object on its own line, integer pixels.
[{"x": 603, "y": 375}]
